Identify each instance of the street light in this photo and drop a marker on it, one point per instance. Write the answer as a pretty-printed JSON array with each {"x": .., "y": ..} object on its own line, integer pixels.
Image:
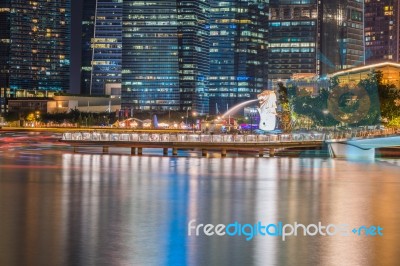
[
  {"x": 251, "y": 124},
  {"x": 194, "y": 114}
]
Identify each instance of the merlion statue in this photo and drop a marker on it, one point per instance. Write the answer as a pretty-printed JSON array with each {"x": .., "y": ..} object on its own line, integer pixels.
[{"x": 267, "y": 110}]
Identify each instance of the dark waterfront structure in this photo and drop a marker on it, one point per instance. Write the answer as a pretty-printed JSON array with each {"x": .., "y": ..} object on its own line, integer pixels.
[
  {"x": 294, "y": 29},
  {"x": 102, "y": 46},
  {"x": 39, "y": 51},
  {"x": 5, "y": 41},
  {"x": 238, "y": 52},
  {"x": 382, "y": 30}
]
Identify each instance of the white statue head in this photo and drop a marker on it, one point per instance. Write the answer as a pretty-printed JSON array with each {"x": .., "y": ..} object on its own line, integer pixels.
[{"x": 267, "y": 99}]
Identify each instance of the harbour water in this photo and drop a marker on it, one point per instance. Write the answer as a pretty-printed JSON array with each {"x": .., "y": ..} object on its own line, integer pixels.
[{"x": 61, "y": 208}]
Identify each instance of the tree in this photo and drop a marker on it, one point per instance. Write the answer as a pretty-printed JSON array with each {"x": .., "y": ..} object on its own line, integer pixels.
[
  {"x": 11, "y": 116},
  {"x": 313, "y": 108},
  {"x": 284, "y": 113},
  {"x": 384, "y": 98},
  {"x": 30, "y": 117}
]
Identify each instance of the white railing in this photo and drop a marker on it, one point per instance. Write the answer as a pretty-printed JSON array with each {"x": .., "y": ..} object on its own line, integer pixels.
[
  {"x": 361, "y": 133},
  {"x": 155, "y": 137},
  {"x": 226, "y": 138}
]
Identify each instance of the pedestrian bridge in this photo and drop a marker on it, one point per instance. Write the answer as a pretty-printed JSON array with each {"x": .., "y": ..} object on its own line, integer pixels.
[
  {"x": 204, "y": 142},
  {"x": 360, "y": 144}
]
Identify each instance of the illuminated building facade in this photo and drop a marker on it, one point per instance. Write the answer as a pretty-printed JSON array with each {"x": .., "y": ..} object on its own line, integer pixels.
[
  {"x": 294, "y": 28},
  {"x": 193, "y": 50},
  {"x": 88, "y": 20},
  {"x": 150, "y": 71},
  {"x": 102, "y": 46},
  {"x": 311, "y": 36},
  {"x": 107, "y": 46},
  {"x": 165, "y": 55},
  {"x": 342, "y": 35},
  {"x": 382, "y": 30},
  {"x": 390, "y": 73},
  {"x": 39, "y": 49},
  {"x": 238, "y": 52},
  {"x": 4, "y": 52}
]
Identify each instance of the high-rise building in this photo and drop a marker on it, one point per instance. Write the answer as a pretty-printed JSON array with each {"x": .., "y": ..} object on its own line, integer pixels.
[
  {"x": 193, "y": 52},
  {"x": 165, "y": 55},
  {"x": 5, "y": 41},
  {"x": 102, "y": 54},
  {"x": 238, "y": 52},
  {"x": 382, "y": 30},
  {"x": 294, "y": 28},
  {"x": 150, "y": 70},
  {"x": 88, "y": 20},
  {"x": 314, "y": 36},
  {"x": 342, "y": 35},
  {"x": 39, "y": 50}
]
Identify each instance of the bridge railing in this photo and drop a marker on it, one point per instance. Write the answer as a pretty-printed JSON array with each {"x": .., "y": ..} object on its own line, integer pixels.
[
  {"x": 225, "y": 138},
  {"x": 361, "y": 133},
  {"x": 155, "y": 137}
]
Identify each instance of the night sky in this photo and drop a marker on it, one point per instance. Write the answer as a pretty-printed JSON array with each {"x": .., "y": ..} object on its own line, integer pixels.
[{"x": 76, "y": 33}]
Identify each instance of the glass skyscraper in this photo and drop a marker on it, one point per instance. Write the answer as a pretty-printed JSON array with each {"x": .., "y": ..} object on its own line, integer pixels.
[
  {"x": 102, "y": 45},
  {"x": 88, "y": 20},
  {"x": 150, "y": 70},
  {"x": 39, "y": 50},
  {"x": 165, "y": 52},
  {"x": 293, "y": 38},
  {"x": 107, "y": 47},
  {"x": 342, "y": 34},
  {"x": 314, "y": 37},
  {"x": 193, "y": 50},
  {"x": 238, "y": 52}
]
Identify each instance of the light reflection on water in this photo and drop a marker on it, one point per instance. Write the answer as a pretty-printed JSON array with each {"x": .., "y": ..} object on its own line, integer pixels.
[{"x": 75, "y": 209}]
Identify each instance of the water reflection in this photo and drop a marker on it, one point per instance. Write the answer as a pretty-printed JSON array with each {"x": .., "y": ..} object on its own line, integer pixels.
[{"x": 76, "y": 209}]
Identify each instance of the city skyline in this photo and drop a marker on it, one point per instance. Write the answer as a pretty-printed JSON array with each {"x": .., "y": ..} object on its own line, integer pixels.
[{"x": 202, "y": 56}]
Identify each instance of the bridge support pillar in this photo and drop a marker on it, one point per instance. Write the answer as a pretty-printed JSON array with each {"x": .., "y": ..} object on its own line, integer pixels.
[
  {"x": 261, "y": 153},
  {"x": 105, "y": 149},
  {"x": 223, "y": 153},
  {"x": 140, "y": 151},
  {"x": 165, "y": 151},
  {"x": 204, "y": 152},
  {"x": 345, "y": 151},
  {"x": 174, "y": 151},
  {"x": 133, "y": 150},
  {"x": 271, "y": 152}
]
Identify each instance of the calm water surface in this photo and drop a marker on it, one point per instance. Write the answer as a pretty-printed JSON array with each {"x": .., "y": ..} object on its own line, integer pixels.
[{"x": 60, "y": 208}]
